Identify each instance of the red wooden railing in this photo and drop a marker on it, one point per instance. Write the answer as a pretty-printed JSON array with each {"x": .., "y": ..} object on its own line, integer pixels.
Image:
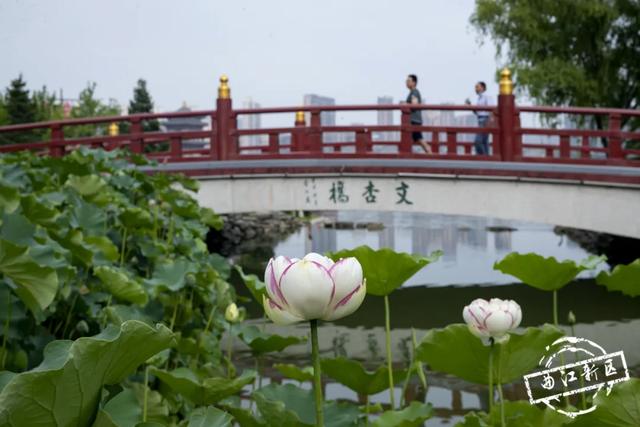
[{"x": 308, "y": 137}]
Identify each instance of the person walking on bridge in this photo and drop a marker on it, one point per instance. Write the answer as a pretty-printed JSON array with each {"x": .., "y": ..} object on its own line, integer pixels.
[
  {"x": 416, "y": 115},
  {"x": 481, "y": 142}
]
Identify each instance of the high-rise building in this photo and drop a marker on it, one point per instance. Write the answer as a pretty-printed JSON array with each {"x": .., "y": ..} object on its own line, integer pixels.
[
  {"x": 327, "y": 118},
  {"x": 250, "y": 121},
  {"x": 385, "y": 118}
]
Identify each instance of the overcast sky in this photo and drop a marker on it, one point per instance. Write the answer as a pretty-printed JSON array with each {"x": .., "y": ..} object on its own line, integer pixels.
[{"x": 273, "y": 51}]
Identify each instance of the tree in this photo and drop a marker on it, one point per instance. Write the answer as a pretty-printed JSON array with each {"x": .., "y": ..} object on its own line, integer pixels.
[
  {"x": 90, "y": 106},
  {"x": 142, "y": 103},
  {"x": 46, "y": 105},
  {"x": 578, "y": 53},
  {"x": 19, "y": 108}
]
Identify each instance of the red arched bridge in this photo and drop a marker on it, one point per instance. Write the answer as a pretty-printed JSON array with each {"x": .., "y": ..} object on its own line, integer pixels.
[{"x": 571, "y": 174}]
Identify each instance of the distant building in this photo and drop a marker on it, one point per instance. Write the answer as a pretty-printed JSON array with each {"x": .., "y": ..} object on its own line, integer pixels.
[
  {"x": 176, "y": 124},
  {"x": 250, "y": 121},
  {"x": 327, "y": 118},
  {"x": 385, "y": 118}
]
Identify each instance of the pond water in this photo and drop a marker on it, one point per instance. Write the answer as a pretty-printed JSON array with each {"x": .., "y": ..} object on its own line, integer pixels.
[{"x": 435, "y": 296}]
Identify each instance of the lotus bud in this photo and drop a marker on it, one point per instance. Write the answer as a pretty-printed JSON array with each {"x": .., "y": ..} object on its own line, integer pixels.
[
  {"x": 313, "y": 287},
  {"x": 571, "y": 318},
  {"x": 492, "y": 319},
  {"x": 232, "y": 313}
]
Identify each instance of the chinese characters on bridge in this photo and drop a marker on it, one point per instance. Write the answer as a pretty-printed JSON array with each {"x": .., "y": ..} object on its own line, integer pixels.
[{"x": 338, "y": 193}]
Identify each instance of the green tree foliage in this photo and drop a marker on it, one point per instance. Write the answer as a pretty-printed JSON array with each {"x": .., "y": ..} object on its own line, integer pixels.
[
  {"x": 578, "y": 53},
  {"x": 142, "y": 103},
  {"x": 90, "y": 106},
  {"x": 47, "y": 105},
  {"x": 19, "y": 108}
]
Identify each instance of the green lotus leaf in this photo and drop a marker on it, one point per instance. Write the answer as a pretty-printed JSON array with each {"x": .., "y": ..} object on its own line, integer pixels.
[
  {"x": 66, "y": 388},
  {"x": 88, "y": 217},
  {"x": 172, "y": 274},
  {"x": 118, "y": 283},
  {"x": 623, "y": 278},
  {"x": 353, "y": 375},
  {"x": 209, "y": 417},
  {"x": 621, "y": 408},
  {"x": 385, "y": 269},
  {"x": 287, "y": 405},
  {"x": 413, "y": 415},
  {"x": 104, "y": 245},
  {"x": 39, "y": 212},
  {"x": 134, "y": 217},
  {"x": 9, "y": 198},
  {"x": 294, "y": 372},
  {"x": 87, "y": 185},
  {"x": 254, "y": 284},
  {"x": 185, "y": 382},
  {"x": 261, "y": 343},
  {"x": 243, "y": 417},
  {"x": 456, "y": 351},
  {"x": 212, "y": 219},
  {"x": 36, "y": 285},
  {"x": 547, "y": 274},
  {"x": 125, "y": 410}
]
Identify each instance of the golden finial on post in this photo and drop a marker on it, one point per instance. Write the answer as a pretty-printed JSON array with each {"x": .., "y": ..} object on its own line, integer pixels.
[
  {"x": 224, "y": 92},
  {"x": 506, "y": 85},
  {"x": 300, "y": 117},
  {"x": 113, "y": 129}
]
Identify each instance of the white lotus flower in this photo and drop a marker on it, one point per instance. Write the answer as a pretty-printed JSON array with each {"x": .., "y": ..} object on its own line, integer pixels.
[
  {"x": 313, "y": 287},
  {"x": 232, "y": 313},
  {"x": 492, "y": 319}
]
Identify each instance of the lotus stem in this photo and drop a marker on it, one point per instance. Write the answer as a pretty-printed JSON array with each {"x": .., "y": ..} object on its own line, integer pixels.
[
  {"x": 500, "y": 395},
  {"x": 146, "y": 392},
  {"x": 366, "y": 417},
  {"x": 317, "y": 374},
  {"x": 583, "y": 397},
  {"x": 491, "y": 375},
  {"x": 555, "y": 308},
  {"x": 229, "y": 349},
  {"x": 387, "y": 326}
]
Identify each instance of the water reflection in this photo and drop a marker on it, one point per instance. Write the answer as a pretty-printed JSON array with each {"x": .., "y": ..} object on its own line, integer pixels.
[{"x": 470, "y": 245}]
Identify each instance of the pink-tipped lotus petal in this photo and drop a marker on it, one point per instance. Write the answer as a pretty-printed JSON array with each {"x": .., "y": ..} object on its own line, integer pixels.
[
  {"x": 272, "y": 275},
  {"x": 347, "y": 275},
  {"x": 279, "y": 315},
  {"x": 348, "y": 304}
]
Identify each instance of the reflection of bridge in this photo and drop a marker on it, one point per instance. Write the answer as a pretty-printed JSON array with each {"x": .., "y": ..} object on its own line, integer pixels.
[{"x": 564, "y": 180}]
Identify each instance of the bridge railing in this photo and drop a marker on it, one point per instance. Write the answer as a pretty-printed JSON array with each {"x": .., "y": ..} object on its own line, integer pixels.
[{"x": 220, "y": 138}]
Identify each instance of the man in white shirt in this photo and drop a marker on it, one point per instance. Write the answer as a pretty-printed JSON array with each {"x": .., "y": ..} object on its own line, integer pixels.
[{"x": 481, "y": 141}]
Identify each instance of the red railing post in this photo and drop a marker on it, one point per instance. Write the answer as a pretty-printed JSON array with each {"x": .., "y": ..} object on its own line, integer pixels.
[
  {"x": 176, "y": 147},
  {"x": 56, "y": 149},
  {"x": 363, "y": 137},
  {"x": 315, "y": 138},
  {"x": 615, "y": 142},
  {"x": 223, "y": 120},
  {"x": 405, "y": 134},
  {"x": 298, "y": 135},
  {"x": 506, "y": 117},
  {"x": 136, "y": 137}
]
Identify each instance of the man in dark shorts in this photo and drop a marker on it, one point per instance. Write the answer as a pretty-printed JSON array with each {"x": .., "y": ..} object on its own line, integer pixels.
[{"x": 416, "y": 115}]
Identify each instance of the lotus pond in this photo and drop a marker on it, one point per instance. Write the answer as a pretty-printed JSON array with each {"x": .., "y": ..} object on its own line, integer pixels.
[{"x": 113, "y": 312}]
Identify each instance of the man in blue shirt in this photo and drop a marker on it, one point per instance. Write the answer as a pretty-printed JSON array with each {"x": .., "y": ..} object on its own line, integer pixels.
[
  {"x": 416, "y": 115},
  {"x": 481, "y": 141}
]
